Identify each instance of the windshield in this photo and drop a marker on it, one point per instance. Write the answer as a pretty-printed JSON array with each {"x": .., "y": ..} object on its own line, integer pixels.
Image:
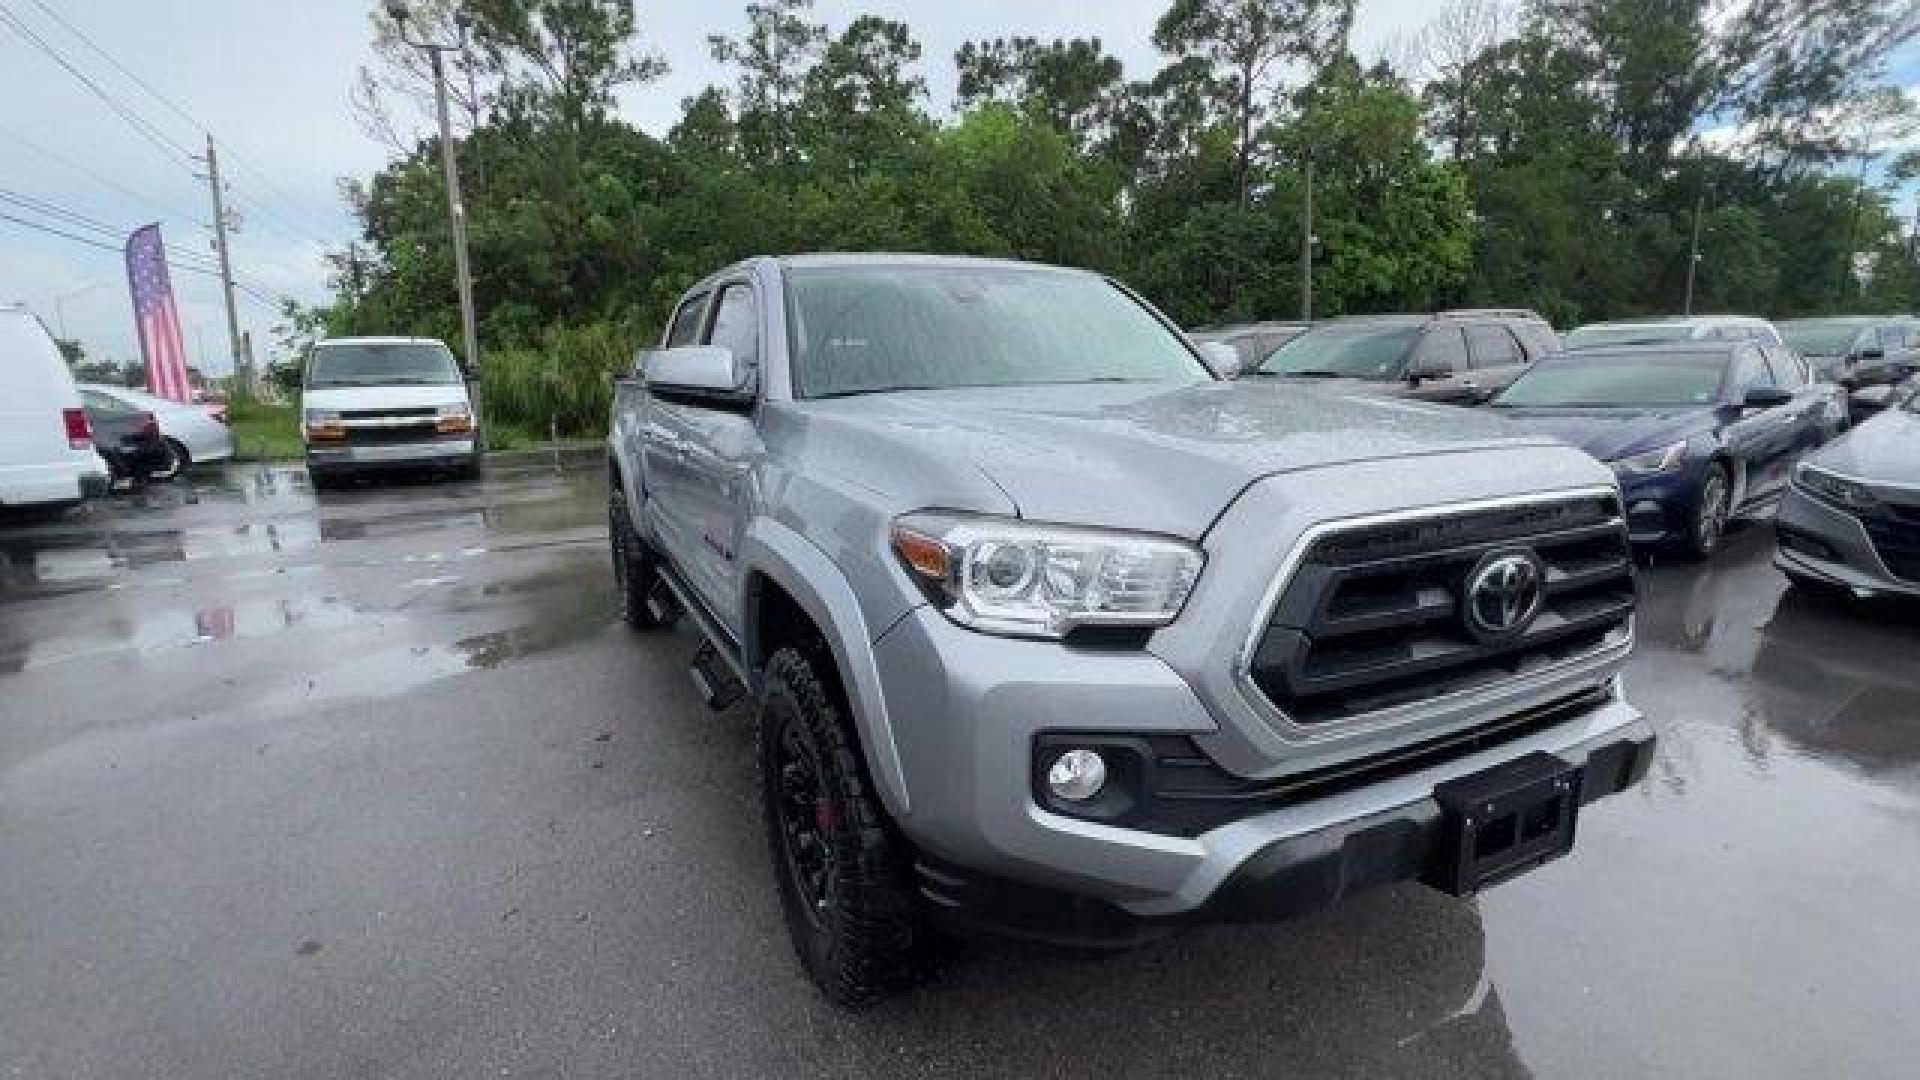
[
  {"x": 1586, "y": 337},
  {"x": 867, "y": 329},
  {"x": 382, "y": 363},
  {"x": 1636, "y": 382},
  {"x": 1820, "y": 337},
  {"x": 1376, "y": 352}
]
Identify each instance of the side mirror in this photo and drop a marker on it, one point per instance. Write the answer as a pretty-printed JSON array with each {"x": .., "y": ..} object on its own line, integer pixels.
[
  {"x": 1221, "y": 358},
  {"x": 1420, "y": 370},
  {"x": 1764, "y": 397},
  {"x": 699, "y": 369},
  {"x": 1869, "y": 400}
]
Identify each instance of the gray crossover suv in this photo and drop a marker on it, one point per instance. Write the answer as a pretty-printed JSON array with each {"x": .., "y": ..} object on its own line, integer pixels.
[
  {"x": 1851, "y": 517},
  {"x": 1455, "y": 357},
  {"x": 1051, "y": 633}
]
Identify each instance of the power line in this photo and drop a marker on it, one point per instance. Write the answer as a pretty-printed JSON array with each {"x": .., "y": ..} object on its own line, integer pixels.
[
  {"x": 101, "y": 178},
  {"x": 146, "y": 130},
  {"x": 257, "y": 295},
  {"x": 117, "y": 65},
  {"x": 180, "y": 111},
  {"x": 55, "y": 210},
  {"x": 275, "y": 221},
  {"x": 74, "y": 219}
]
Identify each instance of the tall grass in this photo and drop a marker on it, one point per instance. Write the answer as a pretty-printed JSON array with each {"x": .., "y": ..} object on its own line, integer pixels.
[{"x": 564, "y": 380}]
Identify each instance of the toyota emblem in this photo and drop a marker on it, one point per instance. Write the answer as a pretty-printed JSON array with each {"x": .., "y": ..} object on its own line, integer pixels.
[{"x": 1504, "y": 593}]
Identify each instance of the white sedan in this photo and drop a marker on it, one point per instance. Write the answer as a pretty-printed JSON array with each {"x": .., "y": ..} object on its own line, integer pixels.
[{"x": 197, "y": 433}]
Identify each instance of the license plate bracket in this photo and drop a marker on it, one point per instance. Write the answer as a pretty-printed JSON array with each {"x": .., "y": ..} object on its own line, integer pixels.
[{"x": 1503, "y": 821}]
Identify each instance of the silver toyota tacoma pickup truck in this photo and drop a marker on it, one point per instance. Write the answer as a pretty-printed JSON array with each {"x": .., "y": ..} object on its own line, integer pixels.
[{"x": 1053, "y": 633}]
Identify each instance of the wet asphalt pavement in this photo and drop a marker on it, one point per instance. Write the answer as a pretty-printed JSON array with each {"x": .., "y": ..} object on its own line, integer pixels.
[{"x": 378, "y": 787}]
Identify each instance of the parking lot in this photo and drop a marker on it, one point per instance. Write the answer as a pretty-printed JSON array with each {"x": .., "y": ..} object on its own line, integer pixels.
[{"x": 376, "y": 785}]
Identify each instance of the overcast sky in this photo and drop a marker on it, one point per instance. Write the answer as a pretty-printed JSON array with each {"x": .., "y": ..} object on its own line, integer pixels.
[{"x": 270, "y": 78}]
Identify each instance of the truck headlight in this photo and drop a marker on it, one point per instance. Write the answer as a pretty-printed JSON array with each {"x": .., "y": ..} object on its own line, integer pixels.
[
  {"x": 454, "y": 419},
  {"x": 1827, "y": 487},
  {"x": 323, "y": 425},
  {"x": 1006, "y": 576},
  {"x": 1651, "y": 463}
]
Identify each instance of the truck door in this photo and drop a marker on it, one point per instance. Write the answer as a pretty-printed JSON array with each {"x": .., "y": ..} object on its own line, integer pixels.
[
  {"x": 721, "y": 442},
  {"x": 655, "y": 436}
]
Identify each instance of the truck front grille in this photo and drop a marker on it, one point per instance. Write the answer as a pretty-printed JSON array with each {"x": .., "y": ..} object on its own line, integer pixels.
[
  {"x": 391, "y": 433},
  {"x": 1380, "y": 615}
]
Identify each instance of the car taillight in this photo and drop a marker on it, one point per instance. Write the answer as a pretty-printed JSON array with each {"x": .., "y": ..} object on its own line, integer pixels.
[{"x": 79, "y": 431}]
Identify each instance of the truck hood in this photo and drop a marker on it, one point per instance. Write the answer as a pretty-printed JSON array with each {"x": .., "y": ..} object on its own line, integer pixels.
[
  {"x": 340, "y": 398},
  {"x": 1147, "y": 457},
  {"x": 1615, "y": 433},
  {"x": 1884, "y": 450}
]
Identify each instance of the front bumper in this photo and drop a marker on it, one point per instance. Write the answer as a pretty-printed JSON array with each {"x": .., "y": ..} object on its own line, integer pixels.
[
  {"x": 344, "y": 457},
  {"x": 1290, "y": 875},
  {"x": 1825, "y": 543},
  {"x": 1659, "y": 508},
  {"x": 969, "y": 709}
]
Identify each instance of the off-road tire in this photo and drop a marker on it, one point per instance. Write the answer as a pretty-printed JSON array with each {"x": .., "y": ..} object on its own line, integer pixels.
[{"x": 858, "y": 928}]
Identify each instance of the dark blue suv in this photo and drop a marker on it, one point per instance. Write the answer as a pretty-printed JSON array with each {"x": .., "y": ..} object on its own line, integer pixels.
[{"x": 1698, "y": 432}]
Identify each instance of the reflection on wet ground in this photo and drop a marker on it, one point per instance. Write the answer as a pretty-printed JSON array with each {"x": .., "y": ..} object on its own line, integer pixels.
[
  {"x": 386, "y": 762},
  {"x": 249, "y": 552}
]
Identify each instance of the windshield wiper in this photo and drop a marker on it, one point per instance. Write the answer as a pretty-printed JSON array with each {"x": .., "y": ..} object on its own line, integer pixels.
[
  {"x": 1305, "y": 373},
  {"x": 886, "y": 390}
]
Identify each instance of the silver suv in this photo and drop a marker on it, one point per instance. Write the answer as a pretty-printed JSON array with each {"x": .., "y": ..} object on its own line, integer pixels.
[{"x": 1051, "y": 633}]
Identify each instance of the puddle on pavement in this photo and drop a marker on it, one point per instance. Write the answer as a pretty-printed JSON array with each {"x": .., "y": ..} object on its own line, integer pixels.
[{"x": 147, "y": 629}]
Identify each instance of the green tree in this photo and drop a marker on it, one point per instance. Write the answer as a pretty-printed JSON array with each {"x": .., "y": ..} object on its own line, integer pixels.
[{"x": 1247, "y": 42}]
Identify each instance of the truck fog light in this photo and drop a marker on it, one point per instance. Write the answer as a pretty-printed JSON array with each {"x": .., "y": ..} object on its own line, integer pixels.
[{"x": 1077, "y": 775}]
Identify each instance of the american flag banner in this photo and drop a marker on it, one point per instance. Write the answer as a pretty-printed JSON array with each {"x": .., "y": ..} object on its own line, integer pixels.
[{"x": 155, "y": 315}]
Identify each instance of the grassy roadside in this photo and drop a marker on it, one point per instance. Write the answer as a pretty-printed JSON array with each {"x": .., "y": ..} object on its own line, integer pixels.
[
  {"x": 269, "y": 432},
  {"x": 264, "y": 431}
]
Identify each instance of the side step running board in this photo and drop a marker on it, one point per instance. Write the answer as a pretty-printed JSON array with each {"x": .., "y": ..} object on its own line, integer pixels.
[
  {"x": 661, "y": 602},
  {"x": 714, "y": 680},
  {"x": 715, "y": 670}
]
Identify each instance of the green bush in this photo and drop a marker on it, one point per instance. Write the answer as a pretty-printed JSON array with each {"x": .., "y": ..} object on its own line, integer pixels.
[{"x": 565, "y": 379}]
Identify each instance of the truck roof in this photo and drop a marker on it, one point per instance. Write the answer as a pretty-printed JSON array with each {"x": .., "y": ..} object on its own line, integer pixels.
[{"x": 892, "y": 258}]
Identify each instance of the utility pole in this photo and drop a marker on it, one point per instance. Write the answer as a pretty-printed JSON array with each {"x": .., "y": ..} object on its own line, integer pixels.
[
  {"x": 1693, "y": 252},
  {"x": 244, "y": 376},
  {"x": 1306, "y": 249},
  {"x": 456, "y": 207}
]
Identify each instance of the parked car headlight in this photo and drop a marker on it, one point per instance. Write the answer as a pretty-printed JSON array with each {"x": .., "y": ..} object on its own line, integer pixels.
[
  {"x": 1837, "y": 490},
  {"x": 323, "y": 425},
  {"x": 1651, "y": 463},
  {"x": 1006, "y": 576},
  {"x": 454, "y": 418}
]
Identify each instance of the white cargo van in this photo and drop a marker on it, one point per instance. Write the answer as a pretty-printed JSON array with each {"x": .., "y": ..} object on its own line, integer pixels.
[
  {"x": 380, "y": 403},
  {"x": 46, "y": 443}
]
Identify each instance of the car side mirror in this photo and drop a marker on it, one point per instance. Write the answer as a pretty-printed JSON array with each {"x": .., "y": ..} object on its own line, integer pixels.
[
  {"x": 1764, "y": 397},
  {"x": 695, "y": 369},
  {"x": 1869, "y": 400},
  {"x": 1421, "y": 370},
  {"x": 1221, "y": 358}
]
